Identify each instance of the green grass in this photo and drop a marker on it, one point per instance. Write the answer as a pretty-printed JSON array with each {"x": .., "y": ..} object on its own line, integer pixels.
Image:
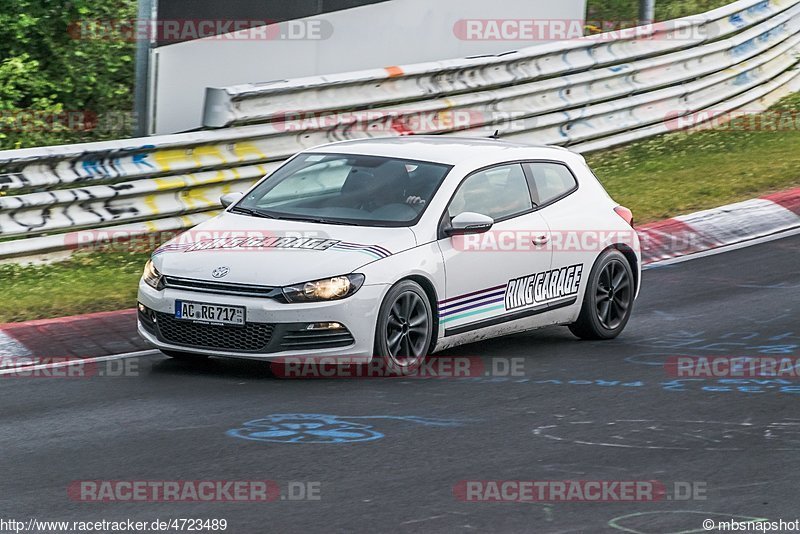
[
  {"x": 85, "y": 283},
  {"x": 656, "y": 178},
  {"x": 682, "y": 172}
]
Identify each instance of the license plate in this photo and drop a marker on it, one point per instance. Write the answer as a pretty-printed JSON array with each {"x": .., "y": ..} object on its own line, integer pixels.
[{"x": 201, "y": 312}]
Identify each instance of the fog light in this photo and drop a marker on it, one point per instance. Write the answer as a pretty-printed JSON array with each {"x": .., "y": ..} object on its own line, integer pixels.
[
  {"x": 146, "y": 312},
  {"x": 324, "y": 326}
]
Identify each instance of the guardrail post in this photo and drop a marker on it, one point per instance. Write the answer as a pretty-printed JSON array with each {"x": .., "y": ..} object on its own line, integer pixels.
[
  {"x": 146, "y": 11},
  {"x": 647, "y": 11}
]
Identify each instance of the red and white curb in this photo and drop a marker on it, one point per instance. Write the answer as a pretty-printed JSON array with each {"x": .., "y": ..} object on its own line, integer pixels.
[
  {"x": 11, "y": 347},
  {"x": 720, "y": 228},
  {"x": 112, "y": 335},
  {"x": 54, "y": 343}
]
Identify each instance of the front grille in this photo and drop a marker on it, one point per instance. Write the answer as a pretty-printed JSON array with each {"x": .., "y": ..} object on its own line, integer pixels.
[
  {"x": 301, "y": 339},
  {"x": 208, "y": 286},
  {"x": 252, "y": 337}
]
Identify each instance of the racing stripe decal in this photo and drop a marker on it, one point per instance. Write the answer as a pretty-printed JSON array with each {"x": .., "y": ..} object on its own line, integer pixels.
[
  {"x": 473, "y": 303},
  {"x": 376, "y": 250},
  {"x": 524, "y": 294},
  {"x": 465, "y": 295},
  {"x": 174, "y": 247}
]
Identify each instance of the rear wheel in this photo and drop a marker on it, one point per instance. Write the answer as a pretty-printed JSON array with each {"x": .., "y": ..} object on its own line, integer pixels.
[
  {"x": 185, "y": 356},
  {"x": 404, "y": 328},
  {"x": 608, "y": 300}
]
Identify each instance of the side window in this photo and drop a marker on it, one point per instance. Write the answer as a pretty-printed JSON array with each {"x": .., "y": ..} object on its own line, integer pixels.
[
  {"x": 497, "y": 192},
  {"x": 550, "y": 180}
]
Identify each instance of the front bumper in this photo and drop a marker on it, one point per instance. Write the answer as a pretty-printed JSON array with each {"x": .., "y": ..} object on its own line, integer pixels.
[{"x": 269, "y": 324}]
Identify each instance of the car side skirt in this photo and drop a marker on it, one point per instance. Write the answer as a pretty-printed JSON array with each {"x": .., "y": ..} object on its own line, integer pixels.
[{"x": 492, "y": 321}]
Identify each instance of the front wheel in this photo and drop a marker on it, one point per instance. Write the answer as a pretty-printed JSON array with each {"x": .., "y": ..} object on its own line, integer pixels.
[
  {"x": 404, "y": 328},
  {"x": 608, "y": 300}
]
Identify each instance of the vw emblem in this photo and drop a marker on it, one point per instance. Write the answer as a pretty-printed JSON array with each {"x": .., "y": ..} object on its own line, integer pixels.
[{"x": 219, "y": 272}]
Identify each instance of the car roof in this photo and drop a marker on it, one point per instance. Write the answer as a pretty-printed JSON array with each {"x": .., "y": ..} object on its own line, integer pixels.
[{"x": 443, "y": 149}]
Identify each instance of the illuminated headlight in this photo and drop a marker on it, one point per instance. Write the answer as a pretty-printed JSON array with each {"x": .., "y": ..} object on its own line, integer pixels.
[
  {"x": 151, "y": 276},
  {"x": 334, "y": 288}
]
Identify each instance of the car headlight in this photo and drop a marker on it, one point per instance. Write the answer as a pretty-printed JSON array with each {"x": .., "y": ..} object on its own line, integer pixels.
[
  {"x": 334, "y": 288},
  {"x": 151, "y": 276}
]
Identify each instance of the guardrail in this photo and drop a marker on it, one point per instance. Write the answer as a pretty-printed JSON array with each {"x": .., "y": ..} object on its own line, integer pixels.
[{"x": 586, "y": 94}]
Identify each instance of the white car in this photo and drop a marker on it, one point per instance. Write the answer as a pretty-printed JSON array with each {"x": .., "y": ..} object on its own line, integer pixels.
[{"x": 395, "y": 248}]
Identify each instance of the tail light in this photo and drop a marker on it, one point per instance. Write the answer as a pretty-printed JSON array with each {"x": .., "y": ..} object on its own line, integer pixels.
[{"x": 625, "y": 213}]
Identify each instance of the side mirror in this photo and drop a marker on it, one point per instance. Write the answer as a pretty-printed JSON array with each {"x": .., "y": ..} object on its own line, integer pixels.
[
  {"x": 230, "y": 198},
  {"x": 469, "y": 223}
]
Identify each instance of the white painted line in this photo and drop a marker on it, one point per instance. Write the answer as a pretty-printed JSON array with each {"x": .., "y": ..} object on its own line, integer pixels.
[
  {"x": 724, "y": 248},
  {"x": 79, "y": 361}
]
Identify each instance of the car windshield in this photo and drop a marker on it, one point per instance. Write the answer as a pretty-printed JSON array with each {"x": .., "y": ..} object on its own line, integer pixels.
[{"x": 347, "y": 189}]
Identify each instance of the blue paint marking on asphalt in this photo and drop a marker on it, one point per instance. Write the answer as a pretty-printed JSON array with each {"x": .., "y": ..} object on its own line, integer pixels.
[
  {"x": 662, "y": 359},
  {"x": 321, "y": 428},
  {"x": 720, "y": 385},
  {"x": 684, "y": 342}
]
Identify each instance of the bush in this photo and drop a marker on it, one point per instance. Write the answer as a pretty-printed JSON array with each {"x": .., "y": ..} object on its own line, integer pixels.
[
  {"x": 52, "y": 81},
  {"x": 628, "y": 10}
]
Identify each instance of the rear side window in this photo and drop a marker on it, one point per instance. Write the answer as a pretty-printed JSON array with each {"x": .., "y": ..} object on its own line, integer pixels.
[{"x": 550, "y": 181}]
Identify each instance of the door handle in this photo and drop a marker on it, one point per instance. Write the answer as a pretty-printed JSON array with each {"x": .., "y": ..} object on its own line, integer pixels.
[{"x": 541, "y": 240}]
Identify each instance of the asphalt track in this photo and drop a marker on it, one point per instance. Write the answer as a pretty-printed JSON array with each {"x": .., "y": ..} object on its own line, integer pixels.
[{"x": 581, "y": 411}]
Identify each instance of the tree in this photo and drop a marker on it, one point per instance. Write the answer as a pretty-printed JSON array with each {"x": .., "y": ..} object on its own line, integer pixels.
[{"x": 59, "y": 85}]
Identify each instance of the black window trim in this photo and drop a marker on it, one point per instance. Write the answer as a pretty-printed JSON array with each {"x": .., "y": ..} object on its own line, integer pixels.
[
  {"x": 444, "y": 219},
  {"x": 360, "y": 222}
]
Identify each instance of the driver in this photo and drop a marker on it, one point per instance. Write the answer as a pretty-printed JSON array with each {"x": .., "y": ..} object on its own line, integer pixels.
[{"x": 420, "y": 186}]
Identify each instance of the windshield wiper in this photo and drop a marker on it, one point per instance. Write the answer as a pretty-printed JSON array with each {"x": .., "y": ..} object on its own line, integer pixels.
[
  {"x": 314, "y": 220},
  {"x": 257, "y": 213},
  {"x": 251, "y": 212}
]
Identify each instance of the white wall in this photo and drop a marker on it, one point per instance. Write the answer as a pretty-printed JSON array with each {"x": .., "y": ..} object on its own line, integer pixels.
[{"x": 389, "y": 33}]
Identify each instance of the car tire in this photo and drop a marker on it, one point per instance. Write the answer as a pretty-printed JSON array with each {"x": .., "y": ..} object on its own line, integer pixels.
[
  {"x": 404, "y": 331},
  {"x": 608, "y": 300},
  {"x": 185, "y": 356}
]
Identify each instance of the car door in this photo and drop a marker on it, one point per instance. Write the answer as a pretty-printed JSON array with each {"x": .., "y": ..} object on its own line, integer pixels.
[
  {"x": 573, "y": 233},
  {"x": 488, "y": 275}
]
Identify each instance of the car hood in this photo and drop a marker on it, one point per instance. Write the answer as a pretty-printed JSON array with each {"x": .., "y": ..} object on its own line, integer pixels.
[{"x": 275, "y": 252}]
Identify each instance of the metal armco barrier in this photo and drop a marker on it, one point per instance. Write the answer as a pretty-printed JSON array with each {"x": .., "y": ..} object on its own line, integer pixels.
[{"x": 587, "y": 94}]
